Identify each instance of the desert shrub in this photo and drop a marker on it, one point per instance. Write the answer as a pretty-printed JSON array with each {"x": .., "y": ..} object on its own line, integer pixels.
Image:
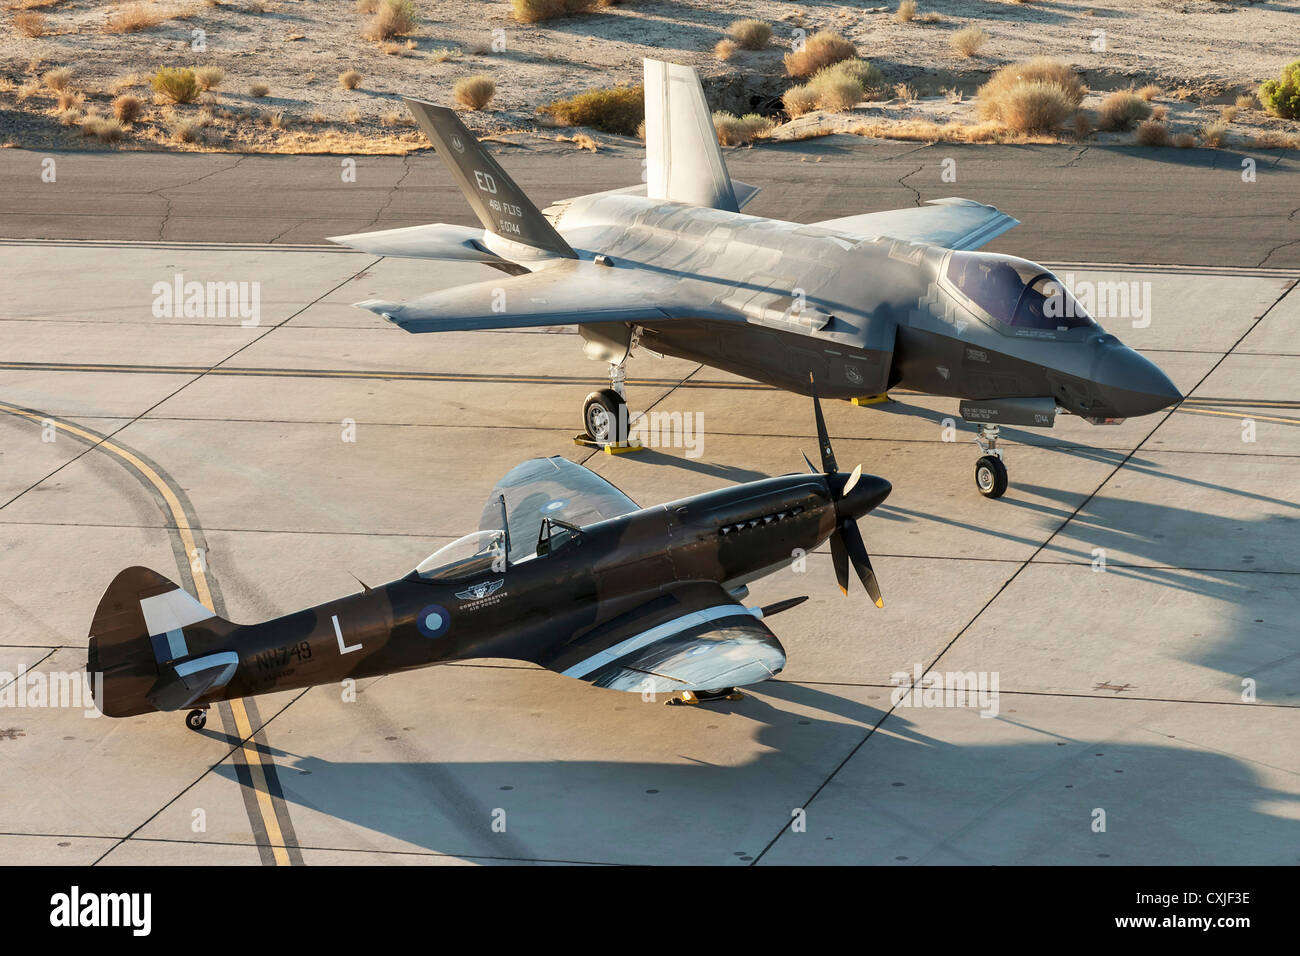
[
  {"x": 969, "y": 40},
  {"x": 906, "y": 11},
  {"x": 258, "y": 90},
  {"x": 1082, "y": 124},
  {"x": 1040, "y": 68},
  {"x": 1184, "y": 140},
  {"x": 738, "y": 130},
  {"x": 819, "y": 50},
  {"x": 136, "y": 16},
  {"x": 57, "y": 79},
  {"x": 391, "y": 18},
  {"x": 127, "y": 108},
  {"x": 104, "y": 128},
  {"x": 534, "y": 11},
  {"x": 30, "y": 24},
  {"x": 1149, "y": 92},
  {"x": 475, "y": 92},
  {"x": 799, "y": 100},
  {"x": 1282, "y": 96},
  {"x": 1216, "y": 134},
  {"x": 867, "y": 76},
  {"x": 617, "y": 109},
  {"x": 179, "y": 84},
  {"x": 750, "y": 34},
  {"x": 1152, "y": 133},
  {"x": 349, "y": 79},
  {"x": 1123, "y": 109},
  {"x": 725, "y": 48},
  {"x": 209, "y": 77},
  {"x": 1035, "y": 107}
]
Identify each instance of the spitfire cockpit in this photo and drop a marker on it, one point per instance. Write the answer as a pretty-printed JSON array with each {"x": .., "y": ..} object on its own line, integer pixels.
[{"x": 477, "y": 553}]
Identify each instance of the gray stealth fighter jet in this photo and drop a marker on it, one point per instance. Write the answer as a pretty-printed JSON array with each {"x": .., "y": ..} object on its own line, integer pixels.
[{"x": 862, "y": 304}]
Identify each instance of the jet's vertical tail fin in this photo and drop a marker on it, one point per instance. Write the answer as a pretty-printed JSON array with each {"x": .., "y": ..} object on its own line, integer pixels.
[
  {"x": 499, "y": 203},
  {"x": 683, "y": 161},
  {"x": 152, "y": 646}
]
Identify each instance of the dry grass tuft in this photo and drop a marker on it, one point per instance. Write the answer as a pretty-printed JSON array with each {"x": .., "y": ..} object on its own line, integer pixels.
[
  {"x": 106, "y": 129},
  {"x": 179, "y": 85},
  {"x": 1150, "y": 92},
  {"x": 127, "y": 108},
  {"x": 475, "y": 92},
  {"x": 969, "y": 41},
  {"x": 352, "y": 116},
  {"x": 30, "y": 24},
  {"x": 141, "y": 16},
  {"x": 1184, "y": 140},
  {"x": 1152, "y": 133},
  {"x": 1122, "y": 110},
  {"x": 820, "y": 50},
  {"x": 1275, "y": 139},
  {"x": 1228, "y": 114},
  {"x": 534, "y": 11},
  {"x": 1246, "y": 101},
  {"x": 209, "y": 77},
  {"x": 1215, "y": 135},
  {"x": 1036, "y": 107},
  {"x": 258, "y": 90},
  {"x": 349, "y": 79},
  {"x": 799, "y": 100},
  {"x": 187, "y": 129},
  {"x": 367, "y": 6},
  {"x": 906, "y": 12},
  {"x": 618, "y": 109},
  {"x": 724, "y": 49},
  {"x": 750, "y": 34},
  {"x": 740, "y": 130},
  {"x": 1159, "y": 113},
  {"x": 70, "y": 99},
  {"x": 1082, "y": 125},
  {"x": 70, "y": 117},
  {"x": 57, "y": 79},
  {"x": 392, "y": 18}
]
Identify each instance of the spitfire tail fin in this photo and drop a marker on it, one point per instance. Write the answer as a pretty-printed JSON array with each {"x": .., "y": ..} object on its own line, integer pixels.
[
  {"x": 683, "y": 161},
  {"x": 154, "y": 645},
  {"x": 500, "y": 205}
]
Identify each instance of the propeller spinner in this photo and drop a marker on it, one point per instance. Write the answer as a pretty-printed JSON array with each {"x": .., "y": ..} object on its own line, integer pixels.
[{"x": 847, "y": 546}]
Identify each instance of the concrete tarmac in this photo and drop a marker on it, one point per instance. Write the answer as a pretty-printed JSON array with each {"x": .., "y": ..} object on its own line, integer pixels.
[{"x": 1135, "y": 594}]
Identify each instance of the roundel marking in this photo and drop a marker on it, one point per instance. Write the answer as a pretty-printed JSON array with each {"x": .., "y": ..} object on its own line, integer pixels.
[
  {"x": 433, "y": 621},
  {"x": 555, "y": 505}
]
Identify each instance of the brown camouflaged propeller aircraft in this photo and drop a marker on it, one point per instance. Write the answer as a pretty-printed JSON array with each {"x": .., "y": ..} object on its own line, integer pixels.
[{"x": 627, "y": 598}]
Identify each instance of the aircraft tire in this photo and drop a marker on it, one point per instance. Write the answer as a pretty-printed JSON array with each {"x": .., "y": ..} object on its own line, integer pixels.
[
  {"x": 991, "y": 476},
  {"x": 604, "y": 417},
  {"x": 196, "y": 719}
]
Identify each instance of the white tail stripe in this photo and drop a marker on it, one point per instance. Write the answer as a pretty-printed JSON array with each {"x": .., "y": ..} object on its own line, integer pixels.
[{"x": 166, "y": 614}]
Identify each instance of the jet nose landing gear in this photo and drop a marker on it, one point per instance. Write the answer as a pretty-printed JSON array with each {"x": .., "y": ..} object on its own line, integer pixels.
[{"x": 990, "y": 472}]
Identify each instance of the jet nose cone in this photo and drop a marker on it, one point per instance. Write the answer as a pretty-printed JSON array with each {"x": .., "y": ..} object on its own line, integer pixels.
[
  {"x": 1132, "y": 385},
  {"x": 867, "y": 494}
]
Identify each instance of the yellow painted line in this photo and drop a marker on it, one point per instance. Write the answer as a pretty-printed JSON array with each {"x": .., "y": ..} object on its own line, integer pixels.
[
  {"x": 242, "y": 725},
  {"x": 1240, "y": 416}
]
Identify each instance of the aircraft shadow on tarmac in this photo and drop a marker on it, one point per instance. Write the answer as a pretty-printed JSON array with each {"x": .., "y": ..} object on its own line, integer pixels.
[{"x": 913, "y": 799}]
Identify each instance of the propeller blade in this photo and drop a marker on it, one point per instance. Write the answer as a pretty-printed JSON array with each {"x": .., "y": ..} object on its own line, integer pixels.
[
  {"x": 768, "y": 610},
  {"x": 857, "y": 552},
  {"x": 823, "y": 439},
  {"x": 853, "y": 480},
  {"x": 840, "y": 558},
  {"x": 810, "y": 465}
]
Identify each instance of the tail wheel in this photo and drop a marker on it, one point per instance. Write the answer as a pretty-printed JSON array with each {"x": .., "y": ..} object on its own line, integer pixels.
[
  {"x": 604, "y": 414},
  {"x": 196, "y": 719},
  {"x": 991, "y": 476}
]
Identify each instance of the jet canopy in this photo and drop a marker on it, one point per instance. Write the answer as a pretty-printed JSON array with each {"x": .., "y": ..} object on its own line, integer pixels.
[
  {"x": 1016, "y": 293},
  {"x": 473, "y": 554}
]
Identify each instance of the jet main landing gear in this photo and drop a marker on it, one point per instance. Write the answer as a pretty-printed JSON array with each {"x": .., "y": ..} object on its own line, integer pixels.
[
  {"x": 705, "y": 696},
  {"x": 990, "y": 472},
  {"x": 605, "y": 417}
]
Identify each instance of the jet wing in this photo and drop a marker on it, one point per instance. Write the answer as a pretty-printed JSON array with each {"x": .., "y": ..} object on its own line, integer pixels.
[
  {"x": 952, "y": 223},
  {"x": 692, "y": 637},
  {"x": 550, "y": 488},
  {"x": 571, "y": 291}
]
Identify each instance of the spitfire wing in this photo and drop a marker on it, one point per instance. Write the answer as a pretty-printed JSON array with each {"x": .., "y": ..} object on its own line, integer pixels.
[
  {"x": 952, "y": 223},
  {"x": 550, "y": 488},
  {"x": 572, "y": 291},
  {"x": 691, "y": 637}
]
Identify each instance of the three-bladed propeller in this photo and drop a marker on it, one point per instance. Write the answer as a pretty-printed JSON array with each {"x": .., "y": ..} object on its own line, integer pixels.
[{"x": 846, "y": 540}]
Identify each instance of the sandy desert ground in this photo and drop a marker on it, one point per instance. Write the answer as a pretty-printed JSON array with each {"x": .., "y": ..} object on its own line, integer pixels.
[{"x": 1202, "y": 53}]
